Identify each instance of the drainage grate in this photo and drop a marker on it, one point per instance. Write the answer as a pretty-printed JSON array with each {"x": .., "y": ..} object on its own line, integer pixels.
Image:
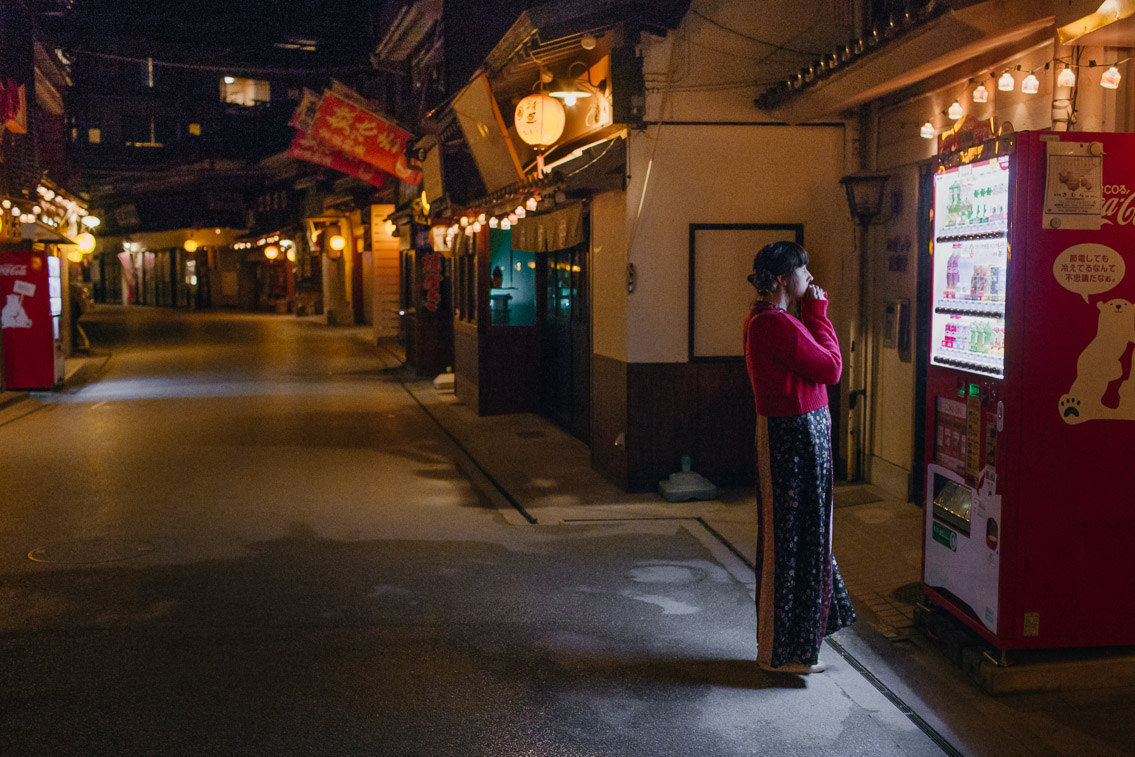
[{"x": 86, "y": 551}]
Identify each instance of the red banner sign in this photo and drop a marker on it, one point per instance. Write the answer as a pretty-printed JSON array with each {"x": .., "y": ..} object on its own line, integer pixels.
[
  {"x": 306, "y": 147},
  {"x": 365, "y": 136}
]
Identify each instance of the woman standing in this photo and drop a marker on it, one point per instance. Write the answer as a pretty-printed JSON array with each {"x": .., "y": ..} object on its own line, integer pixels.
[{"x": 800, "y": 595}]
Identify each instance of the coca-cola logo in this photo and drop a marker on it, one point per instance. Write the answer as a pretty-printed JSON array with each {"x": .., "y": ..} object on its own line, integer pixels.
[{"x": 1118, "y": 207}]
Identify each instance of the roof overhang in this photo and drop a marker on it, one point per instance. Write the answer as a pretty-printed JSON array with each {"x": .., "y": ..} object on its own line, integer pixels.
[
  {"x": 562, "y": 20},
  {"x": 1110, "y": 23},
  {"x": 41, "y": 232},
  {"x": 975, "y": 35}
]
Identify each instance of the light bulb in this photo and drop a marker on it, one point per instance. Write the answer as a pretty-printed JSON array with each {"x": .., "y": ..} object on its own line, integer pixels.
[
  {"x": 512, "y": 218},
  {"x": 1006, "y": 83},
  {"x": 464, "y": 221},
  {"x": 271, "y": 252},
  {"x": 494, "y": 223},
  {"x": 190, "y": 245},
  {"x": 520, "y": 211},
  {"x": 506, "y": 224},
  {"x": 291, "y": 254},
  {"x": 1030, "y": 85},
  {"x": 531, "y": 204},
  {"x": 481, "y": 218},
  {"x": 1066, "y": 78},
  {"x": 981, "y": 94},
  {"x": 1110, "y": 78},
  {"x": 476, "y": 226},
  {"x": 927, "y": 131},
  {"x": 955, "y": 112}
]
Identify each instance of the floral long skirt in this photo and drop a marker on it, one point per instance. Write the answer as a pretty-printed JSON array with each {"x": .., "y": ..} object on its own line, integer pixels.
[{"x": 800, "y": 594}]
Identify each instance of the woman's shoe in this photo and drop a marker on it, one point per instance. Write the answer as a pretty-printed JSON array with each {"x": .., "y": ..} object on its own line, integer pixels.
[{"x": 802, "y": 670}]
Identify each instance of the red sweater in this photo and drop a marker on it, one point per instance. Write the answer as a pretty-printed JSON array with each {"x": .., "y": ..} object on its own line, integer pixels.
[{"x": 791, "y": 361}]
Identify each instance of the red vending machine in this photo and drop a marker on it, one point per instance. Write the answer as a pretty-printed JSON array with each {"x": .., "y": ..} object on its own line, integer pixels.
[
  {"x": 1030, "y": 515},
  {"x": 31, "y": 303}
]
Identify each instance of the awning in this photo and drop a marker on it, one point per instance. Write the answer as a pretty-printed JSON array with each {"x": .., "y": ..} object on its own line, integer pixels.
[
  {"x": 41, "y": 232},
  {"x": 936, "y": 52},
  {"x": 548, "y": 232}
]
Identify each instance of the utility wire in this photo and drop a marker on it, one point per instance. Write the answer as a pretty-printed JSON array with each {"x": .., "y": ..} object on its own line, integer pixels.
[
  {"x": 229, "y": 68},
  {"x": 707, "y": 19}
]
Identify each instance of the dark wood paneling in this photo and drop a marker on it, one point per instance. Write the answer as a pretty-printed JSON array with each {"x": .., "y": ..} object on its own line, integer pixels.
[
  {"x": 609, "y": 418},
  {"x": 510, "y": 378},
  {"x": 704, "y": 410},
  {"x": 660, "y": 421},
  {"x": 726, "y": 422}
]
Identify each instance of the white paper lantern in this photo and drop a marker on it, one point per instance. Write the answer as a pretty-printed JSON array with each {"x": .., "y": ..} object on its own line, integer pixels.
[{"x": 539, "y": 119}]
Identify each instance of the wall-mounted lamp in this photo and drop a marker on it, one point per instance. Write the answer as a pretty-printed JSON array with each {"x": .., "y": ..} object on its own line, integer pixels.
[
  {"x": 865, "y": 194},
  {"x": 568, "y": 89}
]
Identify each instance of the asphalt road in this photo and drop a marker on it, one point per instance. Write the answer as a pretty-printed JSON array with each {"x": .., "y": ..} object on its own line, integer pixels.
[{"x": 244, "y": 536}]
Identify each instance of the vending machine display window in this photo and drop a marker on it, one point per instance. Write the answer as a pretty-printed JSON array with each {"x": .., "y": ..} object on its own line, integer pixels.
[{"x": 971, "y": 266}]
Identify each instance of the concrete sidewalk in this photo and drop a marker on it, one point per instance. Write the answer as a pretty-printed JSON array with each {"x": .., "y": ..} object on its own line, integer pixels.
[{"x": 544, "y": 476}]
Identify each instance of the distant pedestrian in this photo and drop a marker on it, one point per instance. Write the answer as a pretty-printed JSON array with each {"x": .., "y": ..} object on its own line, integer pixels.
[{"x": 791, "y": 360}]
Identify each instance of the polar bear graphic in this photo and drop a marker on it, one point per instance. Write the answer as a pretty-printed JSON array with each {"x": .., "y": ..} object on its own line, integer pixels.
[
  {"x": 1099, "y": 363},
  {"x": 13, "y": 316}
]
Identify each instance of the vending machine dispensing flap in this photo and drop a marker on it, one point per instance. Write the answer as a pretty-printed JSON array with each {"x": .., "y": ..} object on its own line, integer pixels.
[{"x": 952, "y": 503}]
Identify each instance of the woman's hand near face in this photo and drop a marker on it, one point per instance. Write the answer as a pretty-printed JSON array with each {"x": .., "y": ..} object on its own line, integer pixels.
[{"x": 815, "y": 293}]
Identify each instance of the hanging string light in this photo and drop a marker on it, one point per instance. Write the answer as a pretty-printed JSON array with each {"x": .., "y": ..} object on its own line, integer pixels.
[
  {"x": 1030, "y": 85},
  {"x": 927, "y": 131},
  {"x": 1006, "y": 83},
  {"x": 981, "y": 94},
  {"x": 1066, "y": 78},
  {"x": 955, "y": 112},
  {"x": 1110, "y": 78}
]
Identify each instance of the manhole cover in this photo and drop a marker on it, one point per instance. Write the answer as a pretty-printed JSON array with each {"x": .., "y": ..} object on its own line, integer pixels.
[
  {"x": 666, "y": 574},
  {"x": 91, "y": 551}
]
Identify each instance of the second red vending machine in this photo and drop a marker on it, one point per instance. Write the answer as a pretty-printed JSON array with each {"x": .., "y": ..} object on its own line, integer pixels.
[
  {"x": 31, "y": 303},
  {"x": 1030, "y": 408}
]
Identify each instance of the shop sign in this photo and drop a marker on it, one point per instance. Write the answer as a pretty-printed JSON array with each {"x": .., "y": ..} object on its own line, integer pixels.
[
  {"x": 304, "y": 116},
  {"x": 431, "y": 280},
  {"x": 307, "y": 148},
  {"x": 365, "y": 136},
  {"x": 13, "y": 106}
]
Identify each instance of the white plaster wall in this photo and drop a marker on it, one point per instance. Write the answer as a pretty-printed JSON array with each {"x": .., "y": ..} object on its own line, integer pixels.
[
  {"x": 893, "y": 411},
  {"x": 729, "y": 174},
  {"x": 713, "y": 66},
  {"x": 608, "y": 274}
]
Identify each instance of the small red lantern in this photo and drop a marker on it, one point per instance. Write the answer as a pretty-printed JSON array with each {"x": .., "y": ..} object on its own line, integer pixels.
[{"x": 539, "y": 119}]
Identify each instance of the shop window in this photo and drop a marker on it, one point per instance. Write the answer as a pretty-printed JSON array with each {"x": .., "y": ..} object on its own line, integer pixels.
[
  {"x": 566, "y": 286},
  {"x": 246, "y": 92},
  {"x": 512, "y": 285}
]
